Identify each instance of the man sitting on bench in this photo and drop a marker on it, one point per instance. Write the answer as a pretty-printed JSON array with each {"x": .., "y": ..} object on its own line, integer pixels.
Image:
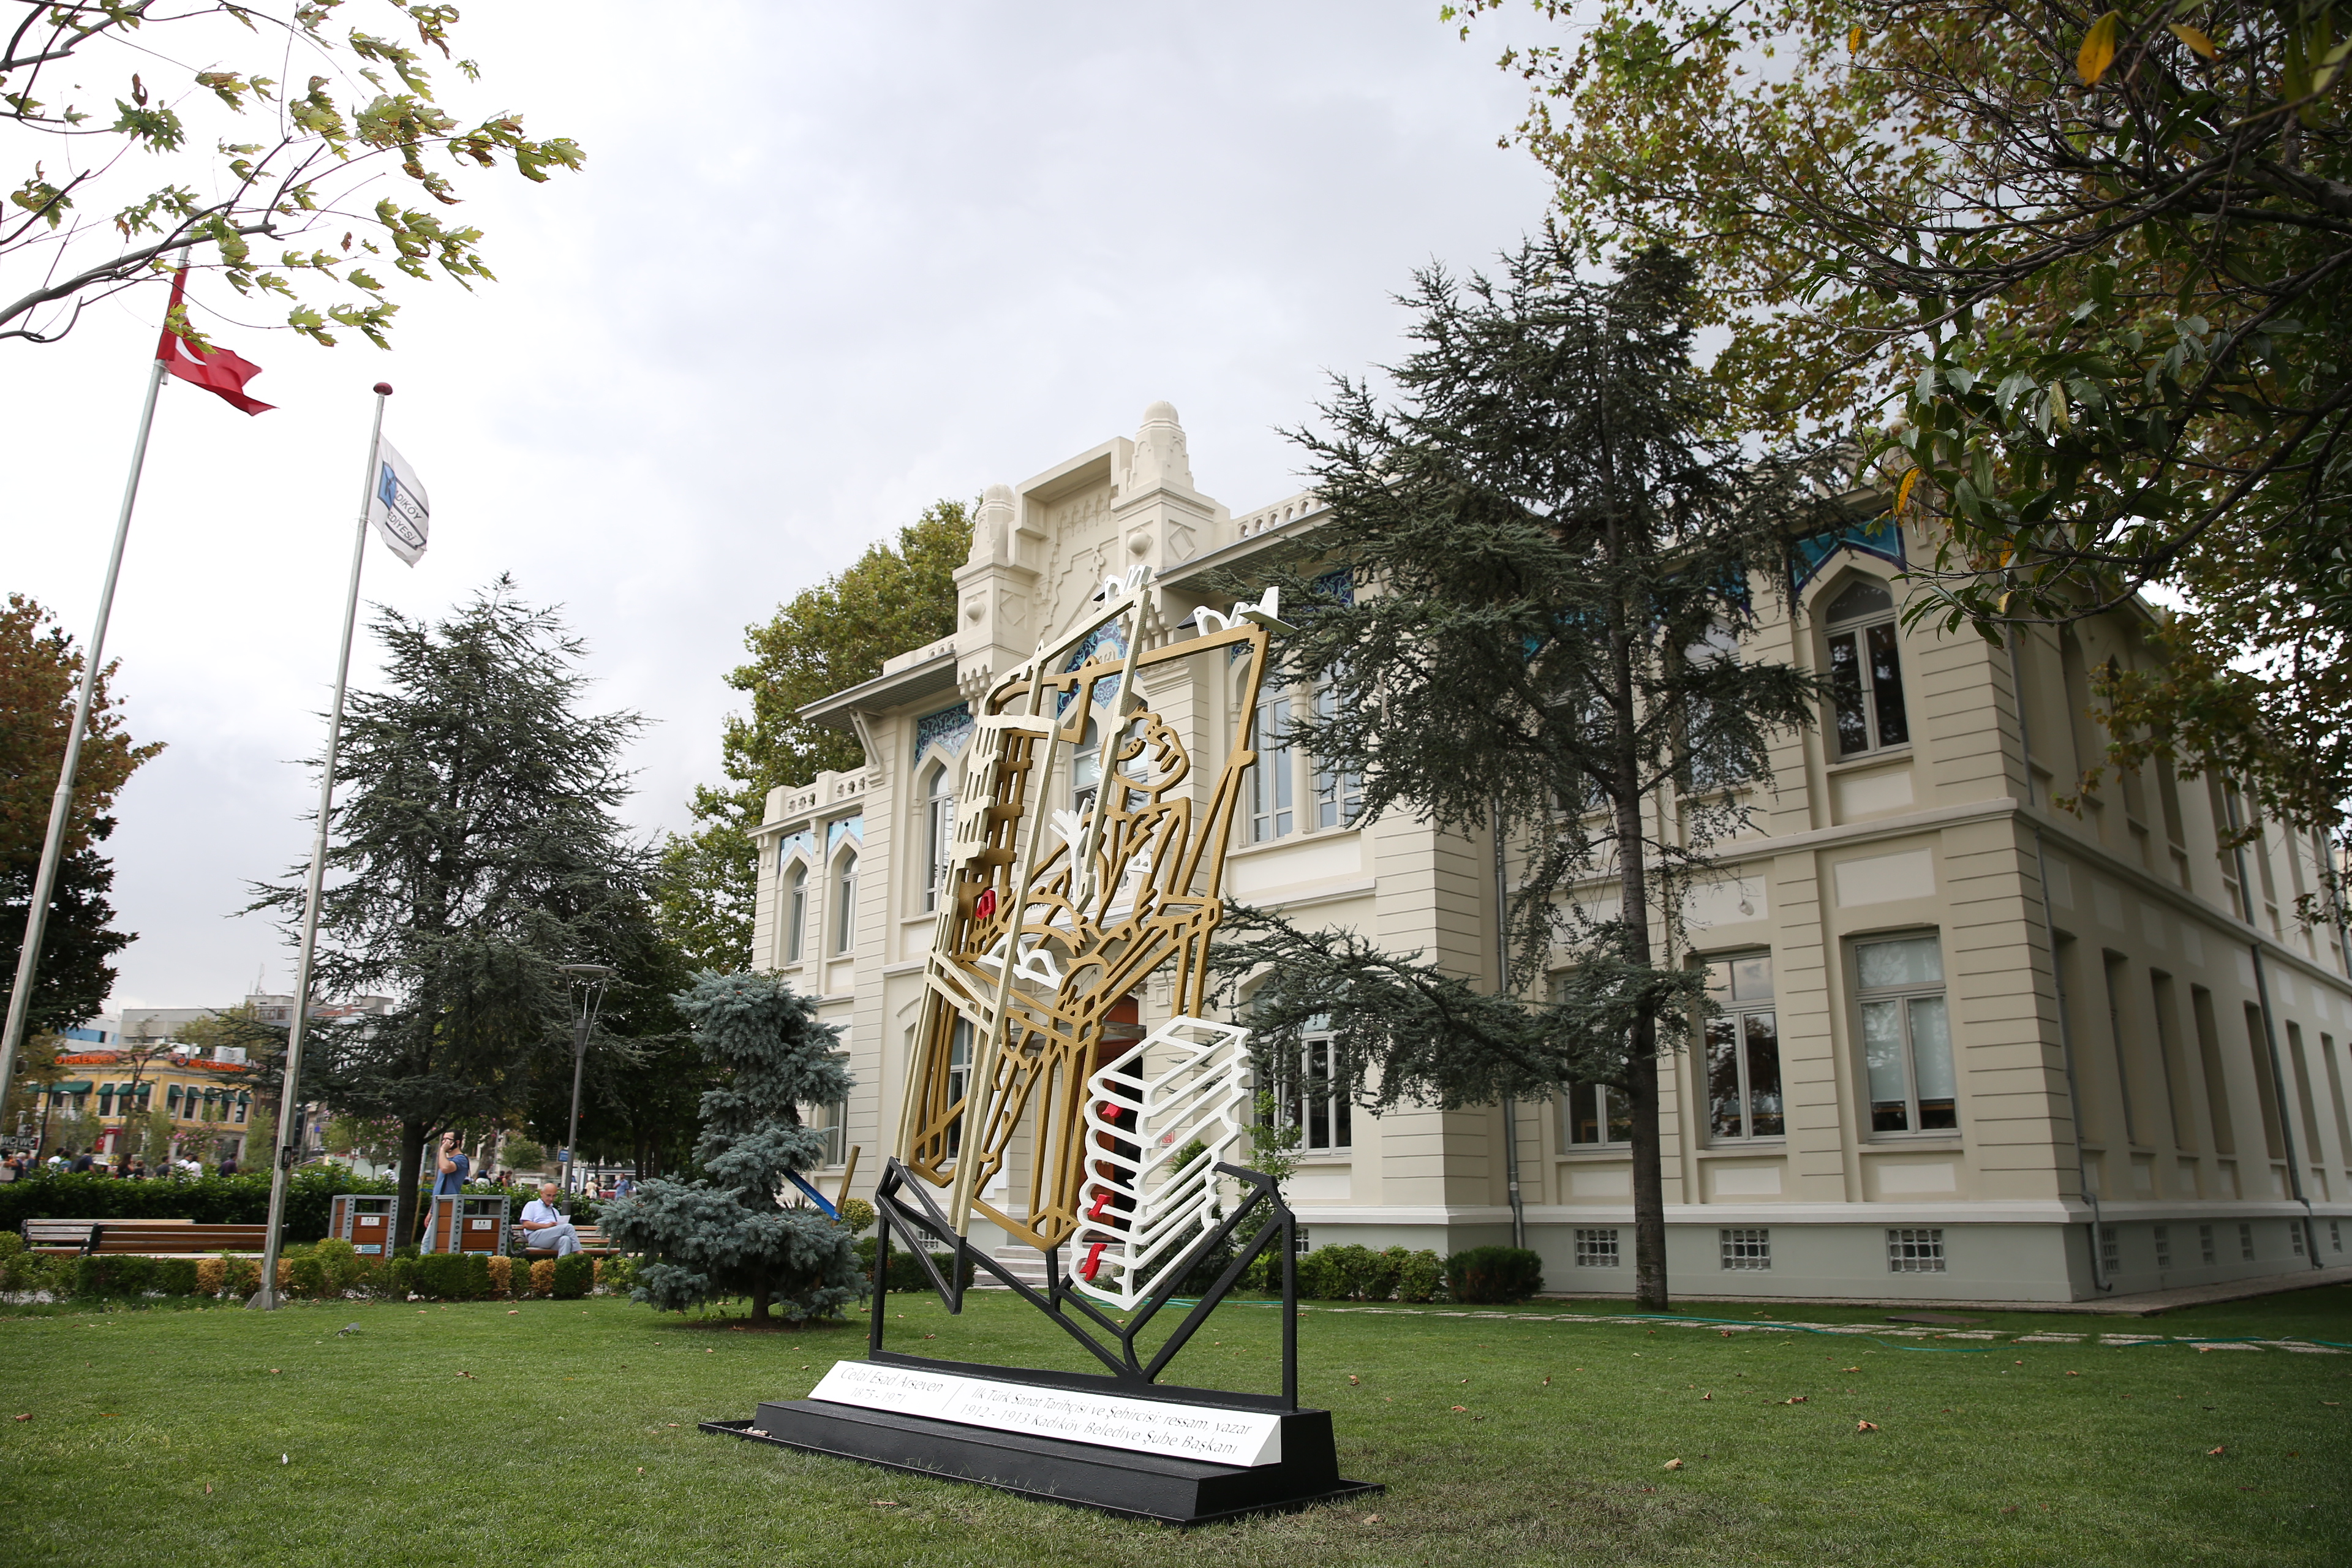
[{"x": 548, "y": 1230}]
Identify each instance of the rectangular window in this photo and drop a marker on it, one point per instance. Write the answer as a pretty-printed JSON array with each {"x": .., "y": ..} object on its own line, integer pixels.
[
  {"x": 1338, "y": 796},
  {"x": 2163, "y": 1247},
  {"x": 938, "y": 834},
  {"x": 1745, "y": 1247},
  {"x": 2294, "y": 1235},
  {"x": 1912, "y": 1251},
  {"x": 1312, "y": 1099},
  {"x": 1906, "y": 1040},
  {"x": 834, "y": 1119},
  {"x": 1596, "y": 1249},
  {"x": 2245, "y": 1241},
  {"x": 1271, "y": 812},
  {"x": 2335, "y": 1235},
  {"x": 2111, "y": 1248},
  {"x": 2205, "y": 1244},
  {"x": 1743, "y": 1051},
  {"x": 1596, "y": 1117}
]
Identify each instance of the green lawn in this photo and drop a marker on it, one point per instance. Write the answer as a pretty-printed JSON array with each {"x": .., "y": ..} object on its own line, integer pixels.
[{"x": 563, "y": 1432}]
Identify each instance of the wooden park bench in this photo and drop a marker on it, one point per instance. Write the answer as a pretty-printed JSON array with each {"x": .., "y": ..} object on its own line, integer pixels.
[
  {"x": 592, "y": 1242},
  {"x": 144, "y": 1237}
]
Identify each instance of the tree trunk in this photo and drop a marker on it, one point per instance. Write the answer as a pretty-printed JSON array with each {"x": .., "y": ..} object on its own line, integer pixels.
[
  {"x": 1644, "y": 1099},
  {"x": 404, "y": 1185},
  {"x": 759, "y": 1303},
  {"x": 1627, "y": 624}
]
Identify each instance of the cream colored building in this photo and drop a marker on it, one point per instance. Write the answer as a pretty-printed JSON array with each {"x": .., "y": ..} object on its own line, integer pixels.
[{"x": 1897, "y": 1105}]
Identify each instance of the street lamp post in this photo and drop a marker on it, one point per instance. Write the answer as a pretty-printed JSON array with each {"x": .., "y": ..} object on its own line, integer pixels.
[{"x": 591, "y": 978}]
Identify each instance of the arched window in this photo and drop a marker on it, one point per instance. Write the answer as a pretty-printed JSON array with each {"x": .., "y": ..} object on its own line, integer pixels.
[
  {"x": 844, "y": 905},
  {"x": 939, "y": 831},
  {"x": 795, "y": 911},
  {"x": 1866, "y": 669}
]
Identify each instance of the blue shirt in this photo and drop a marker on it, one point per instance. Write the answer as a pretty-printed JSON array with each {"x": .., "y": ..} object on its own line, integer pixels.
[{"x": 451, "y": 1181}]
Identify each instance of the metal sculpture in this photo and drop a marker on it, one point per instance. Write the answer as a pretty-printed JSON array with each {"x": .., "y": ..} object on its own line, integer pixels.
[{"x": 1053, "y": 916}]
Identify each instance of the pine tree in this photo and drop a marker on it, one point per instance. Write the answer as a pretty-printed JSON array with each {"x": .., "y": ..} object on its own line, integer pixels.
[
  {"x": 474, "y": 851},
  {"x": 1554, "y": 556},
  {"x": 726, "y": 1233}
]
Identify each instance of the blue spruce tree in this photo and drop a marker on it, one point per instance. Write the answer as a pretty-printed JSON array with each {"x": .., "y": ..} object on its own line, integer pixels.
[{"x": 727, "y": 1233}]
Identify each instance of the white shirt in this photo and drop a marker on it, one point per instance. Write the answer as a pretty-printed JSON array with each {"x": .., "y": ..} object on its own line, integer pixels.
[{"x": 538, "y": 1213}]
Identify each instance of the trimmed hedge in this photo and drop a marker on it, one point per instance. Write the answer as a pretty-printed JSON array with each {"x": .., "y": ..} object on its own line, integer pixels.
[
  {"x": 907, "y": 1276},
  {"x": 1493, "y": 1274},
  {"x": 210, "y": 1200}
]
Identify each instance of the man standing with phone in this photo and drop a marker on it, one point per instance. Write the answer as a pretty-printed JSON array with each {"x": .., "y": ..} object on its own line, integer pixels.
[{"x": 450, "y": 1169}]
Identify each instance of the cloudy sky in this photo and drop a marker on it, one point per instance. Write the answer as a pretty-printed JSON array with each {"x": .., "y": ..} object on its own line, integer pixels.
[{"x": 825, "y": 265}]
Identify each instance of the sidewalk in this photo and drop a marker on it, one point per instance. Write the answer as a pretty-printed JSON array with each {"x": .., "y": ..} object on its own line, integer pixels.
[{"x": 2145, "y": 1304}]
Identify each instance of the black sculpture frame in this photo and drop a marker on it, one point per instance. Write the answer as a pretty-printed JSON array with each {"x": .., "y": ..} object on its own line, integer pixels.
[{"x": 904, "y": 1207}]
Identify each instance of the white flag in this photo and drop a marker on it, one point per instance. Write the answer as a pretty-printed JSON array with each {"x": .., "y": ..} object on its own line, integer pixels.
[{"x": 398, "y": 507}]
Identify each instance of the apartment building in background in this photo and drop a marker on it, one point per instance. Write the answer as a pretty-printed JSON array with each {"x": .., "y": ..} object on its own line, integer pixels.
[{"x": 1972, "y": 1047}]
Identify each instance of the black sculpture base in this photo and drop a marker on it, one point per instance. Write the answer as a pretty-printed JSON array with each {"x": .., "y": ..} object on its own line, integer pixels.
[{"x": 1111, "y": 1480}]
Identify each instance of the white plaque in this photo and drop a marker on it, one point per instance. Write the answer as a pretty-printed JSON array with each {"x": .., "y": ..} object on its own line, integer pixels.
[{"x": 1218, "y": 1437}]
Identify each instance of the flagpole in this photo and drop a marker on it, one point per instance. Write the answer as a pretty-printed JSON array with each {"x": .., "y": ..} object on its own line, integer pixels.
[
  {"x": 36, "y": 916},
  {"x": 289, "y": 1131}
]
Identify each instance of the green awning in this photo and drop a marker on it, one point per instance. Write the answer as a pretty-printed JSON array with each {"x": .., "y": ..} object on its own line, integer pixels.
[{"x": 78, "y": 1086}]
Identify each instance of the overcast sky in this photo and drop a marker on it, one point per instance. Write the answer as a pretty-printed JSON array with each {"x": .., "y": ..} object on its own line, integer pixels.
[{"x": 825, "y": 265}]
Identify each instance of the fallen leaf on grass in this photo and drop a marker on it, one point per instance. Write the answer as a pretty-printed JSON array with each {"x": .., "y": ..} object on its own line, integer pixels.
[
  {"x": 273, "y": 1372},
  {"x": 1372, "y": 1519},
  {"x": 1707, "y": 1396},
  {"x": 2010, "y": 1508},
  {"x": 209, "y": 1488},
  {"x": 1672, "y": 1465},
  {"x": 1794, "y": 1399},
  {"x": 285, "y": 1458},
  {"x": 672, "y": 1423},
  {"x": 1547, "y": 1383},
  {"x": 1858, "y": 1369},
  {"x": 641, "y": 1469},
  {"x": 1865, "y": 1425},
  {"x": 880, "y": 1503},
  {"x": 2210, "y": 1452},
  {"x": 1461, "y": 1407},
  {"x": 517, "y": 1313},
  {"x": 2074, "y": 1375},
  {"x": 26, "y": 1417},
  {"x": 1353, "y": 1381}
]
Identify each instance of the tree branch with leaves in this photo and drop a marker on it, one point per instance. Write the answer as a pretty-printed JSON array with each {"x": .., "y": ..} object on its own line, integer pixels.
[{"x": 250, "y": 173}]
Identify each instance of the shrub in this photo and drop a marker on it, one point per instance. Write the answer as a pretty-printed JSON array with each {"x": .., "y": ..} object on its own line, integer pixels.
[
  {"x": 617, "y": 1274},
  {"x": 574, "y": 1273},
  {"x": 1319, "y": 1276},
  {"x": 452, "y": 1276},
  {"x": 857, "y": 1214},
  {"x": 108, "y": 1276},
  {"x": 211, "y": 1200},
  {"x": 211, "y": 1276},
  {"x": 342, "y": 1264},
  {"x": 542, "y": 1277},
  {"x": 1491, "y": 1274},
  {"x": 396, "y": 1280},
  {"x": 501, "y": 1276},
  {"x": 244, "y": 1276},
  {"x": 1419, "y": 1276},
  {"x": 305, "y": 1276}
]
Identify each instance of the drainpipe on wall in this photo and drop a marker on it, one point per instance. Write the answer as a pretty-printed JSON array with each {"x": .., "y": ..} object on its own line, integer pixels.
[
  {"x": 1502, "y": 988},
  {"x": 2099, "y": 1279},
  {"x": 2286, "y": 1107}
]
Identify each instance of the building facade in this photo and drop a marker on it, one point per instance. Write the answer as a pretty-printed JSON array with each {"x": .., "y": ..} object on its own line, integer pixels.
[{"x": 1972, "y": 1047}]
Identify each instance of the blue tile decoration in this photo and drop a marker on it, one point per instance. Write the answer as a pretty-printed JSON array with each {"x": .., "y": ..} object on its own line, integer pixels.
[
  {"x": 1110, "y": 638},
  {"x": 1340, "y": 585},
  {"x": 950, "y": 727},
  {"x": 1880, "y": 536},
  {"x": 844, "y": 828},
  {"x": 803, "y": 844}
]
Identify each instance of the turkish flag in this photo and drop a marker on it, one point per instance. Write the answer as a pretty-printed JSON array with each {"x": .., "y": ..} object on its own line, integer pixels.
[{"x": 215, "y": 370}]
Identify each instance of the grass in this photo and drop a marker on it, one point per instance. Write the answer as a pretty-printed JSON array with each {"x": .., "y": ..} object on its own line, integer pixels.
[{"x": 563, "y": 1432}]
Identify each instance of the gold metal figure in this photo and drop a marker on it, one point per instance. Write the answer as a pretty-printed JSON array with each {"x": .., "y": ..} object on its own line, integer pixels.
[{"x": 1052, "y": 918}]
